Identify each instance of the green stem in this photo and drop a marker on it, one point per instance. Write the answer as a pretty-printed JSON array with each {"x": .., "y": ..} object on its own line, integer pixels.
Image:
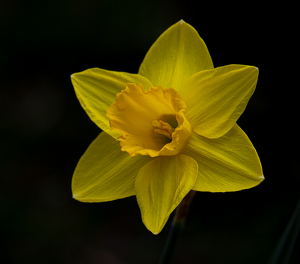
[
  {"x": 286, "y": 244},
  {"x": 176, "y": 228}
]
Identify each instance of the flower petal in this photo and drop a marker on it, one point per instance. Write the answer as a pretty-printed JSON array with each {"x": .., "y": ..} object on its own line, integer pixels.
[
  {"x": 96, "y": 90},
  {"x": 161, "y": 185},
  {"x": 229, "y": 163},
  {"x": 216, "y": 98},
  {"x": 106, "y": 173},
  {"x": 176, "y": 55}
]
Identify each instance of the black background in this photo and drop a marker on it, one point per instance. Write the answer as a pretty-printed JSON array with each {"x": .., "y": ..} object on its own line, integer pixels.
[{"x": 44, "y": 130}]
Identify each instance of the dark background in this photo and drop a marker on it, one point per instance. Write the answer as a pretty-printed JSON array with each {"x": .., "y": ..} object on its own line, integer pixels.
[{"x": 44, "y": 130}]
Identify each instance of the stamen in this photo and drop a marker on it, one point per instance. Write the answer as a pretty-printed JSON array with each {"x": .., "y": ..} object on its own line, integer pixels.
[{"x": 164, "y": 128}]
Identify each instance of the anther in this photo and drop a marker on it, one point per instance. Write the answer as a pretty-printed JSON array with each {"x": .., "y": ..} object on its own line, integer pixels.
[{"x": 163, "y": 128}]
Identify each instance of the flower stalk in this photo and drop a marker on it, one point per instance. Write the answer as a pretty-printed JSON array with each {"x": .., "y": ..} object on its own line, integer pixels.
[{"x": 176, "y": 228}]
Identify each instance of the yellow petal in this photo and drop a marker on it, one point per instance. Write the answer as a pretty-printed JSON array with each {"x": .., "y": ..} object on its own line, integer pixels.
[
  {"x": 96, "y": 90},
  {"x": 176, "y": 55},
  {"x": 161, "y": 185},
  {"x": 226, "y": 164},
  {"x": 106, "y": 173},
  {"x": 216, "y": 98}
]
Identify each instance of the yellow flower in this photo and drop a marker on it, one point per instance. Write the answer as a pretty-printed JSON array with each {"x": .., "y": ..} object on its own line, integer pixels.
[{"x": 175, "y": 125}]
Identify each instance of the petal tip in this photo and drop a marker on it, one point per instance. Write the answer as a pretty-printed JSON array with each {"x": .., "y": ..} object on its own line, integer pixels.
[
  {"x": 181, "y": 22},
  {"x": 74, "y": 196},
  {"x": 261, "y": 178}
]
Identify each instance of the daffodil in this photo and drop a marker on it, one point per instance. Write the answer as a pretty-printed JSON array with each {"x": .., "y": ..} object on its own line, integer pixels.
[{"x": 167, "y": 130}]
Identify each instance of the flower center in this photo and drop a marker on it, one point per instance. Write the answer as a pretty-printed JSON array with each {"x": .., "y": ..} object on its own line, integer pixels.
[
  {"x": 164, "y": 128},
  {"x": 138, "y": 115}
]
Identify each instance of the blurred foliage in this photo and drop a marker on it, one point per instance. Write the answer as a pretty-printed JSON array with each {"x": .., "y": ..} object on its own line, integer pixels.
[{"x": 44, "y": 131}]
